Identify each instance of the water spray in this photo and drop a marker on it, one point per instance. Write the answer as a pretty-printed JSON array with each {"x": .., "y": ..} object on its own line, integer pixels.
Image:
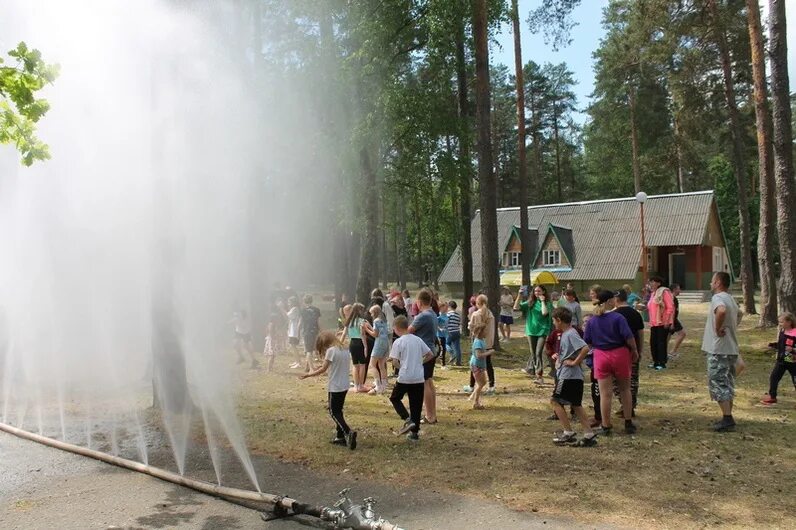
[{"x": 345, "y": 514}]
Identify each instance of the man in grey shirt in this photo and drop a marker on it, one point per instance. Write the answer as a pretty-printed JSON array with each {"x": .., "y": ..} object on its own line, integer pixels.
[{"x": 720, "y": 344}]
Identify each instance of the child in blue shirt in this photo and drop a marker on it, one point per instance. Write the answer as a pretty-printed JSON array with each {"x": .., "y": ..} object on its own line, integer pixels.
[{"x": 442, "y": 333}]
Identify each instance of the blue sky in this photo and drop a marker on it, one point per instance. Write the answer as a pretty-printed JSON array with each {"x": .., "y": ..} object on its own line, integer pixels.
[{"x": 585, "y": 39}]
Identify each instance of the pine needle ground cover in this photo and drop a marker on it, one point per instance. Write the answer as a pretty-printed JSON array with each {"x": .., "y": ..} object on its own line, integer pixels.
[{"x": 675, "y": 472}]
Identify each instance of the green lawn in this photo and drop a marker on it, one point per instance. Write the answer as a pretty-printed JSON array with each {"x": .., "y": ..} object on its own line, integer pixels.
[{"x": 674, "y": 472}]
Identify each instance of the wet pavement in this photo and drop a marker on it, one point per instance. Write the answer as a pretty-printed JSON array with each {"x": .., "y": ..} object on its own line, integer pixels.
[{"x": 43, "y": 488}]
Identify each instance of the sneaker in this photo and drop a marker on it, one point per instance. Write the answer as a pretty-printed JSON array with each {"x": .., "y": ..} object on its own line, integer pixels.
[
  {"x": 602, "y": 431},
  {"x": 768, "y": 400},
  {"x": 490, "y": 391},
  {"x": 539, "y": 381},
  {"x": 467, "y": 388},
  {"x": 295, "y": 365},
  {"x": 413, "y": 437},
  {"x": 338, "y": 441},
  {"x": 552, "y": 417},
  {"x": 651, "y": 365},
  {"x": 659, "y": 368},
  {"x": 630, "y": 428},
  {"x": 587, "y": 441},
  {"x": 565, "y": 438},
  {"x": 408, "y": 426},
  {"x": 724, "y": 425},
  {"x": 351, "y": 440},
  {"x": 527, "y": 371}
]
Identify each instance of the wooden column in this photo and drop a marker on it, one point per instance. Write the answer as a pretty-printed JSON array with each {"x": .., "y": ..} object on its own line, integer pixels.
[{"x": 699, "y": 267}]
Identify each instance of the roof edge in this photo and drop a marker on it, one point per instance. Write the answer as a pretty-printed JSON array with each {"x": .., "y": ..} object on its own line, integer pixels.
[{"x": 600, "y": 201}]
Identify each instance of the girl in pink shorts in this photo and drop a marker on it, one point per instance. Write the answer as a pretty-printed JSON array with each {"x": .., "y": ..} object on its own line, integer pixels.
[{"x": 614, "y": 352}]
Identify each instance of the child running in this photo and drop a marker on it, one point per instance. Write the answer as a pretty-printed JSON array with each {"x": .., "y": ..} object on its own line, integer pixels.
[
  {"x": 337, "y": 360},
  {"x": 569, "y": 380},
  {"x": 408, "y": 354},
  {"x": 381, "y": 347},
  {"x": 786, "y": 357}
]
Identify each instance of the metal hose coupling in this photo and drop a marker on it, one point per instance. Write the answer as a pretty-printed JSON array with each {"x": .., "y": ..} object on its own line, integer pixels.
[{"x": 346, "y": 514}]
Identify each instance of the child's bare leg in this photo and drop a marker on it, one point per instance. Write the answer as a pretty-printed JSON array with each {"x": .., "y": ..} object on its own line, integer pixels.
[
  {"x": 625, "y": 397},
  {"x": 584, "y": 420},
  {"x": 606, "y": 395},
  {"x": 562, "y": 415},
  {"x": 480, "y": 383},
  {"x": 679, "y": 340},
  {"x": 476, "y": 396}
]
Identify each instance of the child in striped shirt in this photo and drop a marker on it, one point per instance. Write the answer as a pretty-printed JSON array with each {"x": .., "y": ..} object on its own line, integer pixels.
[{"x": 454, "y": 339}]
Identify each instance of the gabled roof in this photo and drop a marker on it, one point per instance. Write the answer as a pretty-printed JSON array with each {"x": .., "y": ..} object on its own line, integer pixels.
[
  {"x": 533, "y": 238},
  {"x": 605, "y": 234},
  {"x": 563, "y": 235}
]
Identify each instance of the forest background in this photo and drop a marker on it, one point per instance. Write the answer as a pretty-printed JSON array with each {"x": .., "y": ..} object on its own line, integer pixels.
[{"x": 409, "y": 127}]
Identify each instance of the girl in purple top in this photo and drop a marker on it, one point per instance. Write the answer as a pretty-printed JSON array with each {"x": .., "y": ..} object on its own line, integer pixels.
[{"x": 614, "y": 354}]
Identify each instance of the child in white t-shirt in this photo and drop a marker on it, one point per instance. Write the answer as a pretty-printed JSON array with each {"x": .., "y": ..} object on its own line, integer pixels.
[
  {"x": 337, "y": 361},
  {"x": 408, "y": 354}
]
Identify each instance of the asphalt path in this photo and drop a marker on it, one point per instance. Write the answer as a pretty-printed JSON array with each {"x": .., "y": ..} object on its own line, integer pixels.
[{"x": 43, "y": 488}]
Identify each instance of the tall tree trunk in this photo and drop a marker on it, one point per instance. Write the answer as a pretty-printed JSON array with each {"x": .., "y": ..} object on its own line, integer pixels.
[
  {"x": 767, "y": 229},
  {"x": 783, "y": 154},
  {"x": 634, "y": 140},
  {"x": 400, "y": 243},
  {"x": 419, "y": 229},
  {"x": 522, "y": 175},
  {"x": 678, "y": 151},
  {"x": 738, "y": 160},
  {"x": 465, "y": 176},
  {"x": 558, "y": 154},
  {"x": 490, "y": 273},
  {"x": 367, "y": 260}
]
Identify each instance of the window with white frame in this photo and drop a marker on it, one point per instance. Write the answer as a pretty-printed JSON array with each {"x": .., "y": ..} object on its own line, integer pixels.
[
  {"x": 718, "y": 259},
  {"x": 515, "y": 259},
  {"x": 551, "y": 258}
]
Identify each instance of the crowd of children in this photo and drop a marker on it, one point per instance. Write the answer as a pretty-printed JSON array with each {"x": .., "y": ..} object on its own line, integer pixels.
[{"x": 413, "y": 334}]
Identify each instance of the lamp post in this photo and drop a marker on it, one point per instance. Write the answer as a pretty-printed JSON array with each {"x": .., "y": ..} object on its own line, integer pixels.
[{"x": 641, "y": 198}]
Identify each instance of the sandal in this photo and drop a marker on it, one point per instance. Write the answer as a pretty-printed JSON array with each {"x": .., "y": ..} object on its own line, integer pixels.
[
  {"x": 426, "y": 421},
  {"x": 590, "y": 441}
]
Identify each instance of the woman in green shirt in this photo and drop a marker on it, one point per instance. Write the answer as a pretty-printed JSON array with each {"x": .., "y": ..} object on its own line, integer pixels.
[{"x": 537, "y": 311}]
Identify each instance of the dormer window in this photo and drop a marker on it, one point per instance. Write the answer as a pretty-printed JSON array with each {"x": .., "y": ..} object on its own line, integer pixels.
[
  {"x": 512, "y": 259},
  {"x": 551, "y": 258}
]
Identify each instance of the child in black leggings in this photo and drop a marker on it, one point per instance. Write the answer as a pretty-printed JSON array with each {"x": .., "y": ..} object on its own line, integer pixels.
[
  {"x": 786, "y": 357},
  {"x": 337, "y": 360}
]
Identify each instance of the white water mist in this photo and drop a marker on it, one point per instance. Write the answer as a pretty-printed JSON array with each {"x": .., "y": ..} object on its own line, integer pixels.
[{"x": 125, "y": 255}]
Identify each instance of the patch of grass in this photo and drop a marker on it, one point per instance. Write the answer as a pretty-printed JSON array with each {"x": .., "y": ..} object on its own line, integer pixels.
[{"x": 674, "y": 473}]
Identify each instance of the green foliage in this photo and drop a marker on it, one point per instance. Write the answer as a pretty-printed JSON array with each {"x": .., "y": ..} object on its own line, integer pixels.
[
  {"x": 554, "y": 20},
  {"x": 20, "y": 110}
]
